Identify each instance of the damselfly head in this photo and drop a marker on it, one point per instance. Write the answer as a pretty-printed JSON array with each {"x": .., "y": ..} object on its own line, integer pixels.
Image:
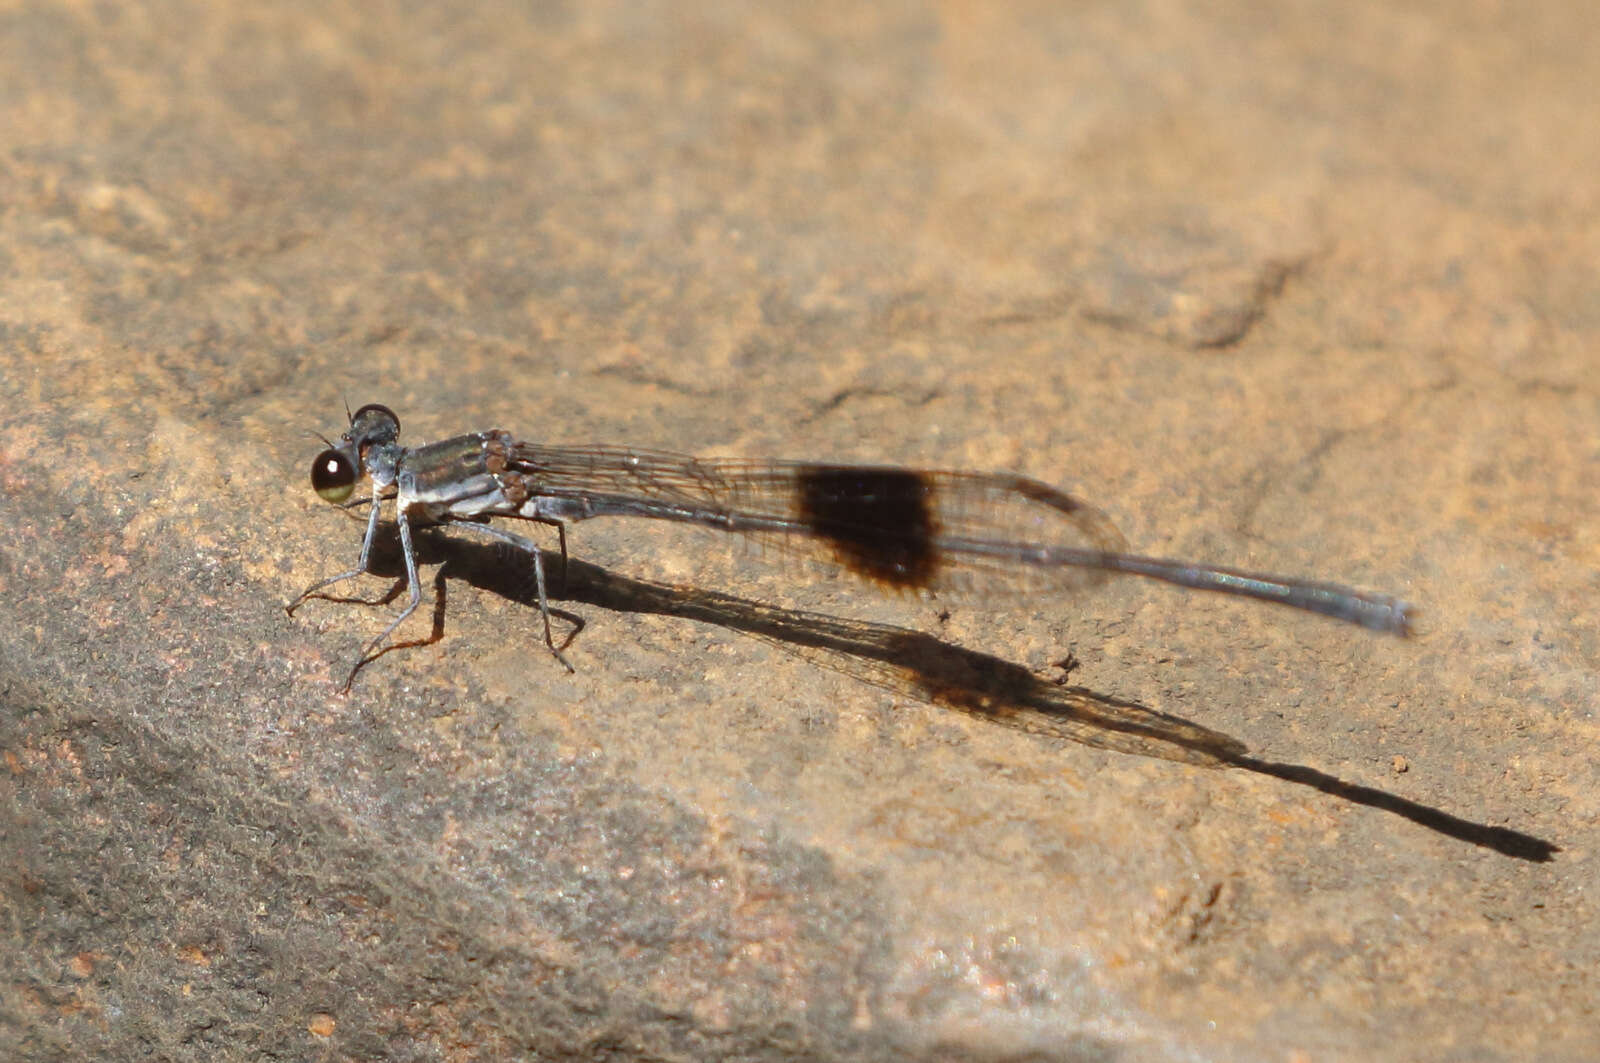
[{"x": 335, "y": 471}]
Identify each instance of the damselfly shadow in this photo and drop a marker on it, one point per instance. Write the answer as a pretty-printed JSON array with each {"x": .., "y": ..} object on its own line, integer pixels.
[
  {"x": 916, "y": 665},
  {"x": 904, "y": 529}
]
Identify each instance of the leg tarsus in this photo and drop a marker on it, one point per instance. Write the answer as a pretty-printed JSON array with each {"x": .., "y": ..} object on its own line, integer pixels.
[
  {"x": 529, "y": 547},
  {"x": 544, "y": 605},
  {"x": 361, "y": 565}
]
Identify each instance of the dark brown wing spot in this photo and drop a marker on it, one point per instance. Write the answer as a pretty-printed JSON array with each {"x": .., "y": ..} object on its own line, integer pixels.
[{"x": 877, "y": 520}]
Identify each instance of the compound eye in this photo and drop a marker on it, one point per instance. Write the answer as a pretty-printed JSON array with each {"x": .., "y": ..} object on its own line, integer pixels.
[
  {"x": 379, "y": 413},
  {"x": 333, "y": 477}
]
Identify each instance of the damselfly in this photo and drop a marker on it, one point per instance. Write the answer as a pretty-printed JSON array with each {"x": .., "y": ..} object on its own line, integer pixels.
[{"x": 900, "y": 528}]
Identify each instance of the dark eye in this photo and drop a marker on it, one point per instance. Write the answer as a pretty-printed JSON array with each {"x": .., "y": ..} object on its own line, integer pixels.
[
  {"x": 333, "y": 478},
  {"x": 374, "y": 414}
]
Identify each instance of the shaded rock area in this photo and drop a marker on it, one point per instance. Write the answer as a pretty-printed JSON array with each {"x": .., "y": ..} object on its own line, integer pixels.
[{"x": 1304, "y": 288}]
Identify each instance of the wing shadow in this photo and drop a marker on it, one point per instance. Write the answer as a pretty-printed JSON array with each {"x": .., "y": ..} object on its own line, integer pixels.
[{"x": 923, "y": 667}]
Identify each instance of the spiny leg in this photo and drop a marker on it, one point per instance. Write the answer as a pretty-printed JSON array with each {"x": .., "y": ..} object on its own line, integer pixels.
[
  {"x": 561, "y": 534},
  {"x": 410, "y": 555},
  {"x": 530, "y": 547},
  {"x": 361, "y": 565}
]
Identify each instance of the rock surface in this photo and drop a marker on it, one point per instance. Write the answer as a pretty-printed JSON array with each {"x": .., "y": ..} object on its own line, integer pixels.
[{"x": 1300, "y": 287}]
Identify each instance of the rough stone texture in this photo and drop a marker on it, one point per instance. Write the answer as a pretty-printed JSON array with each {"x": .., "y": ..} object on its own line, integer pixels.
[{"x": 1303, "y": 286}]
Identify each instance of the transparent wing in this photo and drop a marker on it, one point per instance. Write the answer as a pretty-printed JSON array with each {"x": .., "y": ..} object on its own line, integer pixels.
[{"x": 904, "y": 528}]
